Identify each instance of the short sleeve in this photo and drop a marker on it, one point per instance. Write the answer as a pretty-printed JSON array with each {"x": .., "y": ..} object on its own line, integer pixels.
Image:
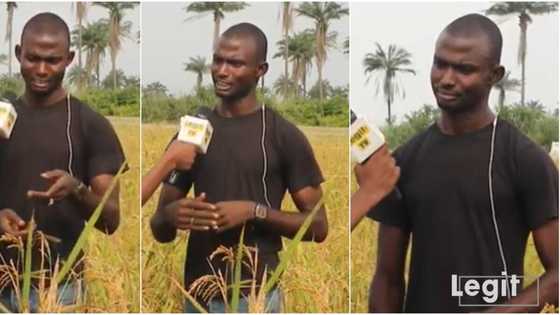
[
  {"x": 181, "y": 180},
  {"x": 537, "y": 181},
  {"x": 105, "y": 153},
  {"x": 392, "y": 209},
  {"x": 301, "y": 167}
]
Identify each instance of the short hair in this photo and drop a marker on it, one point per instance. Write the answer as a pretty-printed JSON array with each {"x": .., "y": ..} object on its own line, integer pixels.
[
  {"x": 248, "y": 30},
  {"x": 47, "y": 22},
  {"x": 477, "y": 24}
]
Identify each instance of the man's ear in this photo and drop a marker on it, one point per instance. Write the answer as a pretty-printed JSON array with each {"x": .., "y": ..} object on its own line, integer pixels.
[
  {"x": 497, "y": 74},
  {"x": 18, "y": 53},
  {"x": 262, "y": 69}
]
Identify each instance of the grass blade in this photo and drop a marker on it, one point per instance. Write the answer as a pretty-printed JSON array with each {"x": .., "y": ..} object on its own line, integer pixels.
[
  {"x": 290, "y": 249},
  {"x": 189, "y": 297},
  {"x": 237, "y": 274},
  {"x": 80, "y": 243},
  {"x": 26, "y": 289}
]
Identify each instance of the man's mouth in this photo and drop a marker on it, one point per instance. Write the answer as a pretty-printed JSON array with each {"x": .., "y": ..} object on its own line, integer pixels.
[
  {"x": 220, "y": 85},
  {"x": 446, "y": 96},
  {"x": 40, "y": 84}
]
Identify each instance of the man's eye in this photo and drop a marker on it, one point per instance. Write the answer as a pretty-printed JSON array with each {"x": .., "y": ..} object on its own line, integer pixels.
[{"x": 466, "y": 69}]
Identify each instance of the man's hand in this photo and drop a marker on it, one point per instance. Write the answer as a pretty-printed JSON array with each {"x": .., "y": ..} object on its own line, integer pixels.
[
  {"x": 180, "y": 155},
  {"x": 192, "y": 214},
  {"x": 11, "y": 223},
  {"x": 234, "y": 213},
  {"x": 379, "y": 174},
  {"x": 62, "y": 184}
]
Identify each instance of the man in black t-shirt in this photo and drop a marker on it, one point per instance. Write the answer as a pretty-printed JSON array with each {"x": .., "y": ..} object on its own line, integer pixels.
[
  {"x": 254, "y": 157},
  {"x": 473, "y": 189},
  {"x": 58, "y": 163}
]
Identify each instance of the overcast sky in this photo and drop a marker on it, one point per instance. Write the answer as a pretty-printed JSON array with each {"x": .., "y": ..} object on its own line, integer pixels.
[
  {"x": 415, "y": 27},
  {"x": 169, "y": 41},
  {"x": 128, "y": 59}
]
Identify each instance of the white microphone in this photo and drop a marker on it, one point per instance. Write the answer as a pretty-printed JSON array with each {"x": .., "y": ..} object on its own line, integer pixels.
[
  {"x": 8, "y": 116},
  {"x": 197, "y": 131},
  {"x": 365, "y": 138}
]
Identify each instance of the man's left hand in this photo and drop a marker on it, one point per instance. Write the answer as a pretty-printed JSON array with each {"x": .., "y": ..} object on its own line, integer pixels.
[
  {"x": 234, "y": 213},
  {"x": 62, "y": 184}
]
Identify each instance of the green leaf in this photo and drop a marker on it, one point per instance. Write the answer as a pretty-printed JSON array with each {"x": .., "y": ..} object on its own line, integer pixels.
[
  {"x": 90, "y": 225},
  {"x": 27, "y": 267}
]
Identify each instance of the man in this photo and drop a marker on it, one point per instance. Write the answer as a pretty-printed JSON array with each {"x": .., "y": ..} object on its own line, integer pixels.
[
  {"x": 459, "y": 224},
  {"x": 253, "y": 158},
  {"x": 59, "y": 161}
]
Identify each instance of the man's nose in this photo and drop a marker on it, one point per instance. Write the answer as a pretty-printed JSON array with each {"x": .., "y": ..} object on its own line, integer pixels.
[
  {"x": 42, "y": 69},
  {"x": 222, "y": 70},
  {"x": 448, "y": 78}
]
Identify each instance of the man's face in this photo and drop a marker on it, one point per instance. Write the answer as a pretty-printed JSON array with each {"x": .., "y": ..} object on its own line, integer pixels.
[
  {"x": 43, "y": 60},
  {"x": 235, "y": 68},
  {"x": 462, "y": 73}
]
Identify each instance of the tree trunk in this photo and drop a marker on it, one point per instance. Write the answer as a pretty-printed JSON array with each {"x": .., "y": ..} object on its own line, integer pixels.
[
  {"x": 80, "y": 28},
  {"x": 523, "y": 22},
  {"x": 286, "y": 63},
  {"x": 320, "y": 70},
  {"x": 97, "y": 73},
  {"x": 10, "y": 53},
  {"x": 217, "y": 21},
  {"x": 389, "y": 112},
  {"x": 198, "y": 82},
  {"x": 304, "y": 81},
  {"x": 501, "y": 99},
  {"x": 113, "y": 68}
]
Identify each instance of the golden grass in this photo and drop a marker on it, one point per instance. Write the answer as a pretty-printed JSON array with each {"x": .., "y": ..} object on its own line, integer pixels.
[{"x": 316, "y": 279}]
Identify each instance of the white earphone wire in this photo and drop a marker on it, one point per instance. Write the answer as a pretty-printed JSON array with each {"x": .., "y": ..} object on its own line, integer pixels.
[
  {"x": 265, "y": 158},
  {"x": 494, "y": 220},
  {"x": 68, "y": 135}
]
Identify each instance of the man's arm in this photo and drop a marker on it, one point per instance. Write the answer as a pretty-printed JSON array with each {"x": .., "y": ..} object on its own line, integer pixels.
[
  {"x": 64, "y": 185},
  {"x": 377, "y": 178},
  {"x": 546, "y": 243},
  {"x": 235, "y": 213},
  {"x": 386, "y": 294},
  {"x": 179, "y": 155}
]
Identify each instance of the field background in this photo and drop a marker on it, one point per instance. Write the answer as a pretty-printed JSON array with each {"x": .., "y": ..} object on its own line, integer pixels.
[
  {"x": 316, "y": 279},
  {"x": 113, "y": 262},
  {"x": 364, "y": 256}
]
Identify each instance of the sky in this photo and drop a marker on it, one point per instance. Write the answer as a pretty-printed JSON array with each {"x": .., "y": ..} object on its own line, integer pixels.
[
  {"x": 415, "y": 27},
  {"x": 128, "y": 59},
  {"x": 169, "y": 41}
]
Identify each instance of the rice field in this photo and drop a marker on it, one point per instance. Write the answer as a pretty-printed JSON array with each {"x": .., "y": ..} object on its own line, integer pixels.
[{"x": 316, "y": 279}]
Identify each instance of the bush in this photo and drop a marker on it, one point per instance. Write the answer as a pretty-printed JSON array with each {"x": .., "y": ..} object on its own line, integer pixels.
[{"x": 109, "y": 102}]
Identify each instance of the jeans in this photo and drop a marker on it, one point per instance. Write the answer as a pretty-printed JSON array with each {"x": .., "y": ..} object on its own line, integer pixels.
[
  {"x": 273, "y": 304},
  {"x": 67, "y": 294}
]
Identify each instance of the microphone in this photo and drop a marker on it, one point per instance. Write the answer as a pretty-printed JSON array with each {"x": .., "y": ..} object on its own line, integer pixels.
[
  {"x": 197, "y": 131},
  {"x": 8, "y": 116},
  {"x": 365, "y": 138}
]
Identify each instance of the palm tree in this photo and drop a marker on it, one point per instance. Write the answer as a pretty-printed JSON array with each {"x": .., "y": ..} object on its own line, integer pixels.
[
  {"x": 95, "y": 40},
  {"x": 523, "y": 10},
  {"x": 217, "y": 9},
  {"x": 197, "y": 65},
  {"x": 284, "y": 86},
  {"x": 504, "y": 85},
  {"x": 77, "y": 76},
  {"x": 388, "y": 64},
  {"x": 322, "y": 13},
  {"x": 287, "y": 24},
  {"x": 10, "y": 8},
  {"x": 118, "y": 30},
  {"x": 80, "y": 9}
]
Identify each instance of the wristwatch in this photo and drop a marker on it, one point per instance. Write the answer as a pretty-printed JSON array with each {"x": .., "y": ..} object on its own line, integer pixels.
[
  {"x": 80, "y": 191},
  {"x": 260, "y": 212}
]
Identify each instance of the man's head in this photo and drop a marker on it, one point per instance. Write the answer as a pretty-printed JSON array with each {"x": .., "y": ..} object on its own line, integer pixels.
[
  {"x": 239, "y": 61},
  {"x": 466, "y": 63},
  {"x": 44, "y": 53}
]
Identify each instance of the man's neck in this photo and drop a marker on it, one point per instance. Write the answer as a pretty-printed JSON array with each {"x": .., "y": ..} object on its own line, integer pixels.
[
  {"x": 238, "y": 107},
  {"x": 465, "y": 122},
  {"x": 38, "y": 100}
]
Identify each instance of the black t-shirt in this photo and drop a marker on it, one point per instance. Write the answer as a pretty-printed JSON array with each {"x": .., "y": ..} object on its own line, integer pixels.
[
  {"x": 446, "y": 206},
  {"x": 232, "y": 169},
  {"x": 38, "y": 144}
]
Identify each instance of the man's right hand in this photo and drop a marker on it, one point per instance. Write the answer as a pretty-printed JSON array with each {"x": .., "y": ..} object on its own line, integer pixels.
[
  {"x": 192, "y": 214},
  {"x": 180, "y": 154},
  {"x": 379, "y": 174},
  {"x": 11, "y": 223}
]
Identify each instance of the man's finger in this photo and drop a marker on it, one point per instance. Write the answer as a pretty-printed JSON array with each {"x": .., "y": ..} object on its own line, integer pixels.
[
  {"x": 37, "y": 194},
  {"x": 200, "y": 205},
  {"x": 53, "y": 174},
  {"x": 201, "y": 197}
]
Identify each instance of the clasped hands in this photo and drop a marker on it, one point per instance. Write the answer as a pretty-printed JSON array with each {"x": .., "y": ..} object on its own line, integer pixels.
[
  {"x": 199, "y": 215},
  {"x": 61, "y": 185}
]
